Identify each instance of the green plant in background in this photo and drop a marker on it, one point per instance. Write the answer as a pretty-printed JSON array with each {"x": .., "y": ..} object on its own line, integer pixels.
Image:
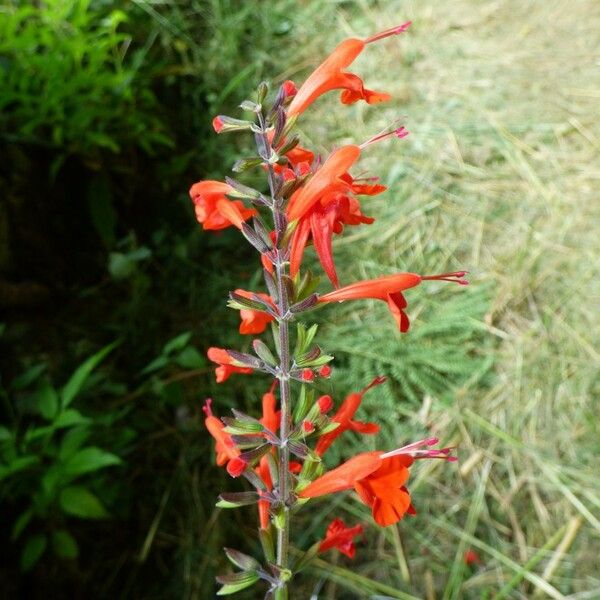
[
  {"x": 47, "y": 464},
  {"x": 69, "y": 82}
]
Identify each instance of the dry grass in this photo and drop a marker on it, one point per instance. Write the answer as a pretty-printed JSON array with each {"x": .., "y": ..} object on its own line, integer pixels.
[{"x": 500, "y": 175}]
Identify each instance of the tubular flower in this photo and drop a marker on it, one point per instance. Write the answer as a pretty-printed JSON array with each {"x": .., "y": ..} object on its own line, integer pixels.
[
  {"x": 271, "y": 418},
  {"x": 227, "y": 452},
  {"x": 227, "y": 365},
  {"x": 389, "y": 289},
  {"x": 264, "y": 473},
  {"x": 341, "y": 537},
  {"x": 254, "y": 321},
  {"x": 330, "y": 75},
  {"x": 326, "y": 217},
  {"x": 344, "y": 417},
  {"x": 328, "y": 178},
  {"x": 378, "y": 478},
  {"x": 214, "y": 210}
]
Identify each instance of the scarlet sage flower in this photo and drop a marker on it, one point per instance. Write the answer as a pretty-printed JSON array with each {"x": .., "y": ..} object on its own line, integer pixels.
[
  {"x": 378, "y": 478},
  {"x": 327, "y": 178},
  {"x": 344, "y": 418},
  {"x": 271, "y": 417},
  {"x": 341, "y": 537},
  {"x": 389, "y": 289},
  {"x": 264, "y": 473},
  {"x": 227, "y": 452},
  {"x": 227, "y": 365},
  {"x": 330, "y": 75},
  {"x": 254, "y": 321},
  {"x": 214, "y": 210},
  {"x": 327, "y": 217}
]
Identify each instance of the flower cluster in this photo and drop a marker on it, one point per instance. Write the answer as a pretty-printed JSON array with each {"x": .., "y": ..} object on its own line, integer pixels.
[{"x": 310, "y": 199}]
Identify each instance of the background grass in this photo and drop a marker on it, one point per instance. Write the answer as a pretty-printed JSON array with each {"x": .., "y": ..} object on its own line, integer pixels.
[{"x": 499, "y": 176}]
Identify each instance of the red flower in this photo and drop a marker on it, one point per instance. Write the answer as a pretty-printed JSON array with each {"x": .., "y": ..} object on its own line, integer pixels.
[
  {"x": 341, "y": 537},
  {"x": 264, "y": 473},
  {"x": 330, "y": 75},
  {"x": 472, "y": 558},
  {"x": 390, "y": 290},
  {"x": 327, "y": 216},
  {"x": 378, "y": 479},
  {"x": 225, "y": 448},
  {"x": 254, "y": 321},
  {"x": 344, "y": 417},
  {"x": 214, "y": 210},
  {"x": 328, "y": 178},
  {"x": 227, "y": 365},
  {"x": 271, "y": 418}
]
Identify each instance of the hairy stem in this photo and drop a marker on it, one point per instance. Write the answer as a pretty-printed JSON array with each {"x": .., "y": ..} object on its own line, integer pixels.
[{"x": 283, "y": 531}]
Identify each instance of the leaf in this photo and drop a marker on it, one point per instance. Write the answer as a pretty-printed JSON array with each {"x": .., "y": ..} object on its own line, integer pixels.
[
  {"x": 87, "y": 460},
  {"x": 79, "y": 377},
  {"x": 236, "y": 582},
  {"x": 158, "y": 363},
  {"x": 20, "y": 524},
  {"x": 72, "y": 441},
  {"x": 70, "y": 417},
  {"x": 64, "y": 544},
  {"x": 33, "y": 551},
  {"x": 190, "y": 358},
  {"x": 80, "y": 502},
  {"x": 47, "y": 401},
  {"x": 177, "y": 343},
  {"x": 28, "y": 377}
]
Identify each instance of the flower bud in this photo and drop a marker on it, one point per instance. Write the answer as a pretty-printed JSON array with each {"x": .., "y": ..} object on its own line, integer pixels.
[
  {"x": 325, "y": 404},
  {"x": 308, "y": 375}
]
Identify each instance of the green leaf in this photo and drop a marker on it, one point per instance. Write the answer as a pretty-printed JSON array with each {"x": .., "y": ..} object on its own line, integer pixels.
[
  {"x": 64, "y": 544},
  {"x": 33, "y": 551},
  {"x": 177, "y": 343},
  {"x": 80, "y": 502},
  {"x": 70, "y": 417},
  {"x": 190, "y": 358},
  {"x": 28, "y": 377},
  {"x": 47, "y": 401},
  {"x": 72, "y": 441},
  {"x": 158, "y": 363},
  {"x": 88, "y": 460},
  {"x": 236, "y": 582},
  {"x": 18, "y": 464},
  {"x": 79, "y": 377},
  {"x": 20, "y": 524}
]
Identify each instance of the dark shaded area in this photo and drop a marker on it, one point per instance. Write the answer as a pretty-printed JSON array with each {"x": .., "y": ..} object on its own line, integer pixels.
[{"x": 105, "y": 123}]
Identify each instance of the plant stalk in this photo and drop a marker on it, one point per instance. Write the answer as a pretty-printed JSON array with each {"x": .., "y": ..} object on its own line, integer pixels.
[{"x": 283, "y": 530}]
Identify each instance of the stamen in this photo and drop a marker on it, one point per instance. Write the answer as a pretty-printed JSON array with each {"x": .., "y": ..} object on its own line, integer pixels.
[
  {"x": 454, "y": 277},
  {"x": 377, "y": 381},
  {"x": 388, "y": 32},
  {"x": 415, "y": 450},
  {"x": 400, "y": 132}
]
